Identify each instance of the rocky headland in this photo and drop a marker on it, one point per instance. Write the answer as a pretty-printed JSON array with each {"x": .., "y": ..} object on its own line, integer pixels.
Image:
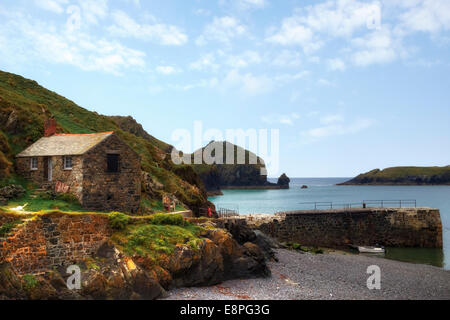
[{"x": 404, "y": 176}]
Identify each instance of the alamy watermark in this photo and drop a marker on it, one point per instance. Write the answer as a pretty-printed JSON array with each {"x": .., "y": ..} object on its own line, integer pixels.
[
  {"x": 74, "y": 281},
  {"x": 263, "y": 142},
  {"x": 374, "y": 281}
]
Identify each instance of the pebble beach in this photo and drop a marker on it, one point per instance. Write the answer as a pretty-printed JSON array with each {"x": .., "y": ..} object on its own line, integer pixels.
[{"x": 329, "y": 276}]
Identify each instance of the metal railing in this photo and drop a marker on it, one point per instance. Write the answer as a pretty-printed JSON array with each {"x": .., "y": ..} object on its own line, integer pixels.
[
  {"x": 227, "y": 210},
  {"x": 363, "y": 204},
  {"x": 227, "y": 213}
]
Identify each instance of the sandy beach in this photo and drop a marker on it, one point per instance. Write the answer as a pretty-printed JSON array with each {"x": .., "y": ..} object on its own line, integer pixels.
[{"x": 330, "y": 276}]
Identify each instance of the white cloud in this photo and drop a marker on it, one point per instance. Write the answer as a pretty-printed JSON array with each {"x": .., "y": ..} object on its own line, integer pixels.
[
  {"x": 288, "y": 77},
  {"x": 167, "y": 70},
  {"x": 206, "y": 62},
  {"x": 287, "y": 119},
  {"x": 324, "y": 82},
  {"x": 164, "y": 34},
  {"x": 336, "y": 64},
  {"x": 375, "y": 48},
  {"x": 56, "y": 6},
  {"x": 93, "y": 10},
  {"x": 247, "y": 83},
  {"x": 244, "y": 60},
  {"x": 338, "y": 129},
  {"x": 287, "y": 58},
  {"x": 222, "y": 29},
  {"x": 426, "y": 16},
  {"x": 293, "y": 33},
  {"x": 244, "y": 4},
  {"x": 43, "y": 41},
  {"x": 333, "y": 118},
  {"x": 312, "y": 26}
]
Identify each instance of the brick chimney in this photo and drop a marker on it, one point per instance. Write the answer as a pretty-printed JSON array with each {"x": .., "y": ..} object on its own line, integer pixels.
[{"x": 49, "y": 127}]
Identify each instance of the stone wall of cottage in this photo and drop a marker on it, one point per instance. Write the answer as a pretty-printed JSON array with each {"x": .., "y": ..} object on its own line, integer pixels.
[
  {"x": 73, "y": 178},
  {"x": 415, "y": 227},
  {"x": 104, "y": 191},
  {"x": 53, "y": 240}
]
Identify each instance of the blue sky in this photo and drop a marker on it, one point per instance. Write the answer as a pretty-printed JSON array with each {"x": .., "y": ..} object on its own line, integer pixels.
[{"x": 351, "y": 85}]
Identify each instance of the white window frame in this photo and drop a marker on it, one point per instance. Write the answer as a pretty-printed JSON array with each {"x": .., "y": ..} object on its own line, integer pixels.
[
  {"x": 34, "y": 164},
  {"x": 65, "y": 158}
]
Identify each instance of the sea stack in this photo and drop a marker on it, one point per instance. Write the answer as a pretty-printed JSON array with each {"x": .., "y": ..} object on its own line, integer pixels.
[{"x": 283, "y": 181}]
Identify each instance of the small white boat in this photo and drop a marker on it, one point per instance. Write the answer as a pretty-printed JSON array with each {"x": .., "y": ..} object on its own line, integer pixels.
[{"x": 371, "y": 249}]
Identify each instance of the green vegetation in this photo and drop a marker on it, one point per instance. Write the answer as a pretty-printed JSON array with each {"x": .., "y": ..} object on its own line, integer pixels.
[
  {"x": 404, "y": 175},
  {"x": 168, "y": 219},
  {"x": 46, "y": 201},
  {"x": 118, "y": 221},
  {"x": 30, "y": 282},
  {"x": 151, "y": 206},
  {"x": 7, "y": 227},
  {"x": 298, "y": 247},
  {"x": 24, "y": 106},
  {"x": 155, "y": 241}
]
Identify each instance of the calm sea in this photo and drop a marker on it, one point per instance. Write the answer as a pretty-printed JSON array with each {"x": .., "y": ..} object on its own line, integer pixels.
[{"x": 326, "y": 190}]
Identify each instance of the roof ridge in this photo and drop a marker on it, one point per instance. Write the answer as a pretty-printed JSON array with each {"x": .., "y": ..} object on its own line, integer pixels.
[{"x": 82, "y": 134}]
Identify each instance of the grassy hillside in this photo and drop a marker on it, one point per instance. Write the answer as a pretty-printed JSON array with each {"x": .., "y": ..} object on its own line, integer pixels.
[
  {"x": 24, "y": 105},
  {"x": 404, "y": 175}
]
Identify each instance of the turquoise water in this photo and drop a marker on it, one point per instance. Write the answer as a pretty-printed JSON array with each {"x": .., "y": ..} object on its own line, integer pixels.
[{"x": 325, "y": 190}]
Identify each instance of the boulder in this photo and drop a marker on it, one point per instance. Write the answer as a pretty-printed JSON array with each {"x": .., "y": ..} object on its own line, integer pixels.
[{"x": 283, "y": 181}]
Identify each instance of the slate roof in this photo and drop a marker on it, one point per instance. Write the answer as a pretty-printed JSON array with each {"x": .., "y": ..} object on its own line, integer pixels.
[{"x": 64, "y": 144}]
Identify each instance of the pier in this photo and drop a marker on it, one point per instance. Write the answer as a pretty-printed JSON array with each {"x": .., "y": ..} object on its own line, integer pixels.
[{"x": 338, "y": 228}]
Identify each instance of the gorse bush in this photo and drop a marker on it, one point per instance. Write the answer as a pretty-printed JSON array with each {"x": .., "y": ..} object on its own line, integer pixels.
[
  {"x": 118, "y": 221},
  {"x": 29, "y": 281},
  {"x": 168, "y": 219}
]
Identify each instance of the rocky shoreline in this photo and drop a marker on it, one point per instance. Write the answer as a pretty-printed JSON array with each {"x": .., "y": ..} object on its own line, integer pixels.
[{"x": 330, "y": 276}]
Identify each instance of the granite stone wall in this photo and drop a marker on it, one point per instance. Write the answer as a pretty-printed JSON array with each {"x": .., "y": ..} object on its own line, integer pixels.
[
  {"x": 73, "y": 178},
  {"x": 105, "y": 191},
  {"x": 53, "y": 240},
  {"x": 415, "y": 227}
]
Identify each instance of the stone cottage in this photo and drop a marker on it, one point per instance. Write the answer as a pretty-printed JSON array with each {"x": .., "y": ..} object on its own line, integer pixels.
[{"x": 100, "y": 169}]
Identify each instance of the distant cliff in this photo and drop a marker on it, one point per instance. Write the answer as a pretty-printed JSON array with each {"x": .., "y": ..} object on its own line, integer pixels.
[
  {"x": 404, "y": 176},
  {"x": 249, "y": 175}
]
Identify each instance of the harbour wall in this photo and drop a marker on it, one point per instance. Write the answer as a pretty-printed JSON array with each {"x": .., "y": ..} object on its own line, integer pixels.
[{"x": 391, "y": 227}]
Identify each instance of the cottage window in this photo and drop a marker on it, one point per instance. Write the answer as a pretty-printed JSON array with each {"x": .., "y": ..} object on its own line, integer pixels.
[
  {"x": 34, "y": 164},
  {"x": 113, "y": 163},
  {"x": 68, "y": 163}
]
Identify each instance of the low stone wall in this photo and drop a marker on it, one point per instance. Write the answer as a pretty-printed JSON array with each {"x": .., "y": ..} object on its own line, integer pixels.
[
  {"x": 415, "y": 227},
  {"x": 52, "y": 240}
]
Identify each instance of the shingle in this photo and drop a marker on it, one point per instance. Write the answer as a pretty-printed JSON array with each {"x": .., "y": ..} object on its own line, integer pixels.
[{"x": 64, "y": 144}]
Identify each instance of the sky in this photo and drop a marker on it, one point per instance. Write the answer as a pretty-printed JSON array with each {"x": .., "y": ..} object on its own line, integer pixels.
[{"x": 349, "y": 85}]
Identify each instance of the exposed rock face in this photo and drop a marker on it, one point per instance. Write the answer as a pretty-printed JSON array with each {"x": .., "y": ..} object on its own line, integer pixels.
[
  {"x": 245, "y": 169},
  {"x": 46, "y": 245},
  {"x": 113, "y": 276},
  {"x": 283, "y": 181}
]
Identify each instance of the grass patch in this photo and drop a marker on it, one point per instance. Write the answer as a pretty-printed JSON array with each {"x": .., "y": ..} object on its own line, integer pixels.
[
  {"x": 7, "y": 227},
  {"x": 148, "y": 205},
  {"x": 153, "y": 241},
  {"x": 118, "y": 221},
  {"x": 30, "y": 282},
  {"x": 46, "y": 201}
]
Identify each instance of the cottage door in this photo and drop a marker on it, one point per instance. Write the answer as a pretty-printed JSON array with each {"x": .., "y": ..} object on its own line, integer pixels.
[{"x": 50, "y": 169}]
